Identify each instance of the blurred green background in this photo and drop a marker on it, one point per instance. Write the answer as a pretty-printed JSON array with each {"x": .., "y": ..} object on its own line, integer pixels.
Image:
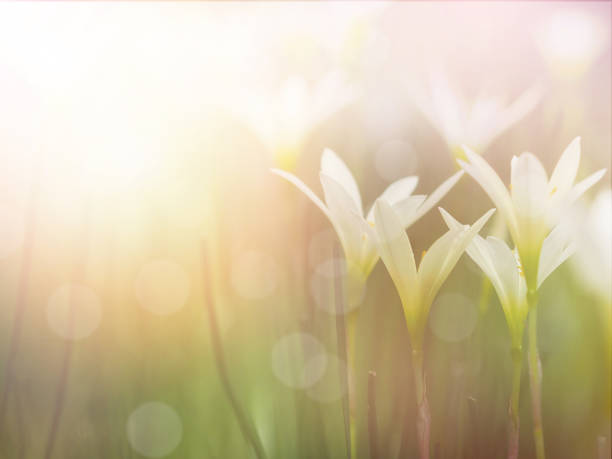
[{"x": 132, "y": 134}]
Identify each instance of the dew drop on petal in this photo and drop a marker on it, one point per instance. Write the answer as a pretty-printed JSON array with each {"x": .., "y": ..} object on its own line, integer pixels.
[
  {"x": 329, "y": 388},
  {"x": 395, "y": 159},
  {"x": 298, "y": 360},
  {"x": 254, "y": 274},
  {"x": 162, "y": 287},
  {"x": 453, "y": 317},
  {"x": 154, "y": 429},
  {"x": 74, "y": 311}
]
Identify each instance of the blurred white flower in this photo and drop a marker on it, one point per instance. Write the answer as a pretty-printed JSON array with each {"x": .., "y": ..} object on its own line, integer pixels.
[
  {"x": 417, "y": 287},
  {"x": 283, "y": 118},
  {"x": 344, "y": 209},
  {"x": 593, "y": 260},
  {"x": 475, "y": 123},
  {"x": 535, "y": 205},
  {"x": 570, "y": 40}
]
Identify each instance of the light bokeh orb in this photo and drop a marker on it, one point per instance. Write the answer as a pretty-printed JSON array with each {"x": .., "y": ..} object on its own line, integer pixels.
[
  {"x": 453, "y": 317},
  {"x": 74, "y": 311},
  {"x": 154, "y": 429},
  {"x": 298, "y": 360},
  {"x": 162, "y": 287}
]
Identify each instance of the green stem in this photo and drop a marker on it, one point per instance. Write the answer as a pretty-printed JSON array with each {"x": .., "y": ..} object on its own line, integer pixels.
[
  {"x": 244, "y": 422},
  {"x": 513, "y": 407},
  {"x": 535, "y": 376},
  {"x": 423, "y": 413}
]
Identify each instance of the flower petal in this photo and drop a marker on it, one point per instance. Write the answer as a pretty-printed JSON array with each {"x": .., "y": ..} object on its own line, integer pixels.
[
  {"x": 434, "y": 198},
  {"x": 488, "y": 179},
  {"x": 581, "y": 187},
  {"x": 556, "y": 248},
  {"x": 334, "y": 167},
  {"x": 563, "y": 176},
  {"x": 529, "y": 186},
  {"x": 398, "y": 191},
  {"x": 345, "y": 216},
  {"x": 396, "y": 252},
  {"x": 304, "y": 189},
  {"x": 443, "y": 255}
]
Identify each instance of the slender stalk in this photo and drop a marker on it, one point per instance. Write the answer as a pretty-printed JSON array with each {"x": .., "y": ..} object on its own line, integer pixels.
[
  {"x": 342, "y": 351},
  {"x": 372, "y": 423},
  {"x": 22, "y": 291},
  {"x": 62, "y": 385},
  {"x": 423, "y": 412},
  {"x": 248, "y": 431},
  {"x": 513, "y": 406},
  {"x": 60, "y": 396},
  {"x": 535, "y": 377}
]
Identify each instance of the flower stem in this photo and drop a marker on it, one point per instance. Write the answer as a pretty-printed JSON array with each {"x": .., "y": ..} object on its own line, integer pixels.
[
  {"x": 423, "y": 413},
  {"x": 248, "y": 430},
  {"x": 535, "y": 377},
  {"x": 341, "y": 337},
  {"x": 513, "y": 407},
  {"x": 372, "y": 423}
]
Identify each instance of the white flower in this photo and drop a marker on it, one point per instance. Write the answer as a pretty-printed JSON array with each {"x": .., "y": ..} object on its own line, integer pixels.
[
  {"x": 593, "y": 261},
  {"x": 503, "y": 268},
  {"x": 418, "y": 287},
  {"x": 535, "y": 203},
  {"x": 345, "y": 211},
  {"x": 285, "y": 117},
  {"x": 473, "y": 123}
]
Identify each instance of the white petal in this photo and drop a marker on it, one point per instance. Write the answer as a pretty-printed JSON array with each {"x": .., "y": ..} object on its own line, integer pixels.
[
  {"x": 334, "y": 167},
  {"x": 434, "y": 198},
  {"x": 345, "y": 216},
  {"x": 581, "y": 187},
  {"x": 519, "y": 108},
  {"x": 396, "y": 192},
  {"x": 507, "y": 280},
  {"x": 556, "y": 248},
  {"x": 488, "y": 179},
  {"x": 396, "y": 252},
  {"x": 304, "y": 189},
  {"x": 408, "y": 208},
  {"x": 530, "y": 193},
  {"x": 563, "y": 176},
  {"x": 405, "y": 208},
  {"x": 443, "y": 255},
  {"x": 477, "y": 249}
]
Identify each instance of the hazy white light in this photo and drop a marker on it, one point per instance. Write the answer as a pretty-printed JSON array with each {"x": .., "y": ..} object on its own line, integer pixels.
[
  {"x": 74, "y": 311},
  {"x": 298, "y": 360},
  {"x": 154, "y": 429},
  {"x": 162, "y": 287},
  {"x": 571, "y": 39},
  {"x": 395, "y": 159},
  {"x": 254, "y": 274},
  {"x": 12, "y": 229},
  {"x": 453, "y": 317}
]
